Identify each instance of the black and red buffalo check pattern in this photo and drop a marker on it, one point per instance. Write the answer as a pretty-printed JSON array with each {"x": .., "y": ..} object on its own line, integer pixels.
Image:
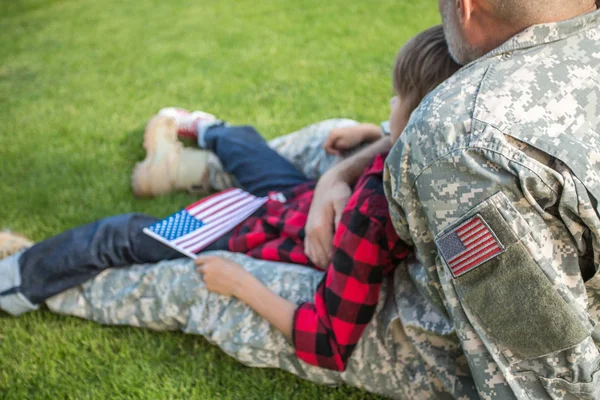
[
  {"x": 366, "y": 249},
  {"x": 275, "y": 231}
]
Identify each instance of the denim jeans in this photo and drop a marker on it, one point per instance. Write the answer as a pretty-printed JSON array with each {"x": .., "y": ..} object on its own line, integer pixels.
[
  {"x": 79, "y": 254},
  {"x": 245, "y": 154}
]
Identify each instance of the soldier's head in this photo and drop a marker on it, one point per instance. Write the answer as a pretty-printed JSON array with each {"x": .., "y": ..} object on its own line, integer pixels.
[
  {"x": 475, "y": 27},
  {"x": 421, "y": 65}
]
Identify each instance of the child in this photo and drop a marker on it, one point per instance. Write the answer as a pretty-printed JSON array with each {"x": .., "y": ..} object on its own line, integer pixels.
[{"x": 366, "y": 246}]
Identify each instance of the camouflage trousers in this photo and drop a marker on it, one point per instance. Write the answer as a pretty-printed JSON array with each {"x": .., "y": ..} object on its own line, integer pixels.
[
  {"x": 304, "y": 148},
  {"x": 171, "y": 296}
]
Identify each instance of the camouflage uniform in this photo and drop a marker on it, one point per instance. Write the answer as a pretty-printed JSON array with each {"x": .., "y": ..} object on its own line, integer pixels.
[
  {"x": 513, "y": 139},
  {"x": 304, "y": 148}
]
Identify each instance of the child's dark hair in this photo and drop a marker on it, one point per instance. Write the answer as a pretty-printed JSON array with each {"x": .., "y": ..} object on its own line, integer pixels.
[{"x": 421, "y": 65}]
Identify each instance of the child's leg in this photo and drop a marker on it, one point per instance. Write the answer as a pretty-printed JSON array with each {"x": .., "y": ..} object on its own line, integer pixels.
[
  {"x": 77, "y": 255},
  {"x": 245, "y": 154}
]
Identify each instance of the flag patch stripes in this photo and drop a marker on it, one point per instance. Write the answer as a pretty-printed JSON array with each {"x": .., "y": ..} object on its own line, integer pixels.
[
  {"x": 469, "y": 245},
  {"x": 198, "y": 225}
]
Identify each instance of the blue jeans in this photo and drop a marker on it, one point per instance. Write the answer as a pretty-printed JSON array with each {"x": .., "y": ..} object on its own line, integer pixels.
[
  {"x": 245, "y": 154},
  {"x": 74, "y": 256}
]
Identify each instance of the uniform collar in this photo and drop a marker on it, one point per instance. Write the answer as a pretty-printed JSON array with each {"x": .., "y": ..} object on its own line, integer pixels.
[{"x": 537, "y": 35}]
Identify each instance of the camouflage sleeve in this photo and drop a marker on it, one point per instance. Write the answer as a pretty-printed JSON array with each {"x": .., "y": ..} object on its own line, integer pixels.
[
  {"x": 304, "y": 148},
  {"x": 396, "y": 212},
  {"x": 502, "y": 237}
]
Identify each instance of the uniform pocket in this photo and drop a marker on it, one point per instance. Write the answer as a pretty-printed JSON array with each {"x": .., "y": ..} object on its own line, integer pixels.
[{"x": 514, "y": 302}]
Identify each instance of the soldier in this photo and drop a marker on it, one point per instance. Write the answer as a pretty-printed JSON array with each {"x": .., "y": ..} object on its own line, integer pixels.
[{"x": 496, "y": 183}]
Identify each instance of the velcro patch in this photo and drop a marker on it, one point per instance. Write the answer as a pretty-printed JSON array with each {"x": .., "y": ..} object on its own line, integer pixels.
[{"x": 469, "y": 245}]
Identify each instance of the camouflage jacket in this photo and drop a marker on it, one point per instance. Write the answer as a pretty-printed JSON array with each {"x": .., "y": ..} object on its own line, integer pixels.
[{"x": 510, "y": 144}]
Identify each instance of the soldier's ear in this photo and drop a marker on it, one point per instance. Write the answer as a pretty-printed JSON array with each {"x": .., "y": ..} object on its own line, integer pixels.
[{"x": 465, "y": 8}]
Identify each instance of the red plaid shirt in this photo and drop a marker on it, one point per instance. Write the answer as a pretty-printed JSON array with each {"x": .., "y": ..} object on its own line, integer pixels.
[{"x": 366, "y": 249}]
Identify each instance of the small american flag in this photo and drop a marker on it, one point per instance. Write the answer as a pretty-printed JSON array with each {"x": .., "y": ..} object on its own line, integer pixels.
[
  {"x": 469, "y": 245},
  {"x": 198, "y": 225}
]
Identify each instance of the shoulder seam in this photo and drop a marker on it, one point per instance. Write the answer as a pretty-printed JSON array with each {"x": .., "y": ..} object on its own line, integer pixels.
[
  {"x": 489, "y": 72},
  {"x": 466, "y": 148}
]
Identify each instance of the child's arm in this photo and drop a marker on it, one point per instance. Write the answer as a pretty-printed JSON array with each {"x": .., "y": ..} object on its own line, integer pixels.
[
  {"x": 228, "y": 278},
  {"x": 340, "y": 140}
]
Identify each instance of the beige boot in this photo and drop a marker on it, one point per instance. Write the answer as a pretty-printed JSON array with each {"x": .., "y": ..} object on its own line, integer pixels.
[
  {"x": 11, "y": 243},
  {"x": 170, "y": 166}
]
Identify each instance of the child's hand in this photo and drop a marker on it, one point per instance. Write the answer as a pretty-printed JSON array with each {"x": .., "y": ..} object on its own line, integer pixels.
[
  {"x": 220, "y": 275},
  {"x": 344, "y": 139}
]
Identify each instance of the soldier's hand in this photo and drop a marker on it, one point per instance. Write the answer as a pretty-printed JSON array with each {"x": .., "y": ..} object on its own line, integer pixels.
[{"x": 329, "y": 200}]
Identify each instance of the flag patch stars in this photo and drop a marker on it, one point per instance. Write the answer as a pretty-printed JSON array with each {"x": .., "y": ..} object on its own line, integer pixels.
[
  {"x": 469, "y": 245},
  {"x": 176, "y": 225}
]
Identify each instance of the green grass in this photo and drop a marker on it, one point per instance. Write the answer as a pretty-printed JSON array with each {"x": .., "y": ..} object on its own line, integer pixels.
[{"x": 78, "y": 81}]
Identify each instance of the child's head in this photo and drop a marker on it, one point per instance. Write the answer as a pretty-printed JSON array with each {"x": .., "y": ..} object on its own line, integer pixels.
[{"x": 421, "y": 65}]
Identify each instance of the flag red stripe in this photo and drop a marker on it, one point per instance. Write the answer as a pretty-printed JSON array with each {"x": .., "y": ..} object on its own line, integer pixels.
[
  {"x": 473, "y": 240},
  {"x": 192, "y": 240},
  {"x": 210, "y": 236},
  {"x": 479, "y": 247},
  {"x": 477, "y": 261},
  {"x": 210, "y": 198},
  {"x": 217, "y": 204},
  {"x": 228, "y": 210},
  {"x": 217, "y": 209},
  {"x": 475, "y": 255},
  {"x": 467, "y": 226},
  {"x": 467, "y": 237}
]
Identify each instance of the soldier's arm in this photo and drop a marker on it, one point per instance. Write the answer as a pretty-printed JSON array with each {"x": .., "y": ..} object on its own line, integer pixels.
[{"x": 497, "y": 230}]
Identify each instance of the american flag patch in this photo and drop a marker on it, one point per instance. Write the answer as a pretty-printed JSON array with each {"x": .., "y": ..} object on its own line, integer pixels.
[
  {"x": 469, "y": 245},
  {"x": 198, "y": 225}
]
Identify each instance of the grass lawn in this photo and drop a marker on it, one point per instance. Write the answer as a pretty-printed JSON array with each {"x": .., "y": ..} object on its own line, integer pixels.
[{"x": 78, "y": 81}]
